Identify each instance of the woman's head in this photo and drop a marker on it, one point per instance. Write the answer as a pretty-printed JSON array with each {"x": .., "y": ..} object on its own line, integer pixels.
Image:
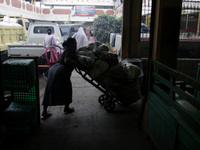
[
  {"x": 69, "y": 50},
  {"x": 81, "y": 31},
  {"x": 49, "y": 31},
  {"x": 69, "y": 43}
]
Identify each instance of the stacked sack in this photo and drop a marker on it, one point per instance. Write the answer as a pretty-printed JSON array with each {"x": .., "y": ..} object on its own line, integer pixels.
[{"x": 105, "y": 67}]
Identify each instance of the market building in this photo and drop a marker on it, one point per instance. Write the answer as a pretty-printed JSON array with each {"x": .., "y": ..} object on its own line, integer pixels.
[{"x": 169, "y": 56}]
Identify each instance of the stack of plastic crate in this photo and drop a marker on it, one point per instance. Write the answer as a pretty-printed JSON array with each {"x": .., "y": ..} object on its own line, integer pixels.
[{"x": 19, "y": 76}]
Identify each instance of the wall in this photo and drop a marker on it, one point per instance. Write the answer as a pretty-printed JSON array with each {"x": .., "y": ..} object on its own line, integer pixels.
[
  {"x": 30, "y": 11},
  {"x": 187, "y": 49},
  {"x": 79, "y": 2}
]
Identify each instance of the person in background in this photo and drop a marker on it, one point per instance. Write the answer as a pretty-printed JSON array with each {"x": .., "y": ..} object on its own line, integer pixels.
[
  {"x": 50, "y": 44},
  {"x": 81, "y": 38},
  {"x": 58, "y": 90},
  {"x": 60, "y": 51},
  {"x": 92, "y": 37}
]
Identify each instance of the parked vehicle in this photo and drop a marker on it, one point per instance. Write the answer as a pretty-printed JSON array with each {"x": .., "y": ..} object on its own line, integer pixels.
[
  {"x": 144, "y": 28},
  {"x": 9, "y": 20},
  {"x": 67, "y": 30},
  {"x": 12, "y": 30},
  {"x": 33, "y": 46}
]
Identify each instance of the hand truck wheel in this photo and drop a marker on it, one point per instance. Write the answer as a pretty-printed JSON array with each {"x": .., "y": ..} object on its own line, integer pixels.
[
  {"x": 109, "y": 105},
  {"x": 102, "y": 99}
]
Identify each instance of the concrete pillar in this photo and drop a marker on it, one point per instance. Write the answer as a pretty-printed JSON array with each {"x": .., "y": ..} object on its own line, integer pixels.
[
  {"x": 131, "y": 28},
  {"x": 166, "y": 31},
  {"x": 2, "y": 102},
  {"x": 198, "y": 25}
]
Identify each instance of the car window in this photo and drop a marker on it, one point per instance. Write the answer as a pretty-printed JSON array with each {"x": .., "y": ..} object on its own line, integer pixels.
[
  {"x": 69, "y": 30},
  {"x": 76, "y": 29},
  {"x": 72, "y": 30},
  {"x": 42, "y": 29},
  {"x": 64, "y": 30},
  {"x": 27, "y": 25},
  {"x": 20, "y": 22}
]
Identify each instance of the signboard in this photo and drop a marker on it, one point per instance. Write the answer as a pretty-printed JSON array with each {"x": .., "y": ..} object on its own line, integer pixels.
[{"x": 84, "y": 11}]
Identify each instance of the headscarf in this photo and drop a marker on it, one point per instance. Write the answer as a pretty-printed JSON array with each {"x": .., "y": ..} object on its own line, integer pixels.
[
  {"x": 81, "y": 38},
  {"x": 69, "y": 50}
]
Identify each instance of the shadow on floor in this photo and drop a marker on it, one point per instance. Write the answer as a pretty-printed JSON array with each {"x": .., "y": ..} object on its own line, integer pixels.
[{"x": 90, "y": 127}]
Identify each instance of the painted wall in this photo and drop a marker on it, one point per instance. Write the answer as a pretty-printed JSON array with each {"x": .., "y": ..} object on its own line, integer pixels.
[
  {"x": 64, "y": 13},
  {"x": 79, "y": 2}
]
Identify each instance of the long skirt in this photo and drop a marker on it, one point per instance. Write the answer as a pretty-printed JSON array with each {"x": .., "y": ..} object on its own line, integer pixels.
[
  {"x": 58, "y": 90},
  {"x": 53, "y": 55}
]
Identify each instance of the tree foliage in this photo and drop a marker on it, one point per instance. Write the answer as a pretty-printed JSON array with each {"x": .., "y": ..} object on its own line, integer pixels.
[{"x": 104, "y": 25}]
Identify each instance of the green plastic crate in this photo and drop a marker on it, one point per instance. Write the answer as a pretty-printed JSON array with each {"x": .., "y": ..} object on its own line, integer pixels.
[
  {"x": 20, "y": 118},
  {"x": 25, "y": 96},
  {"x": 18, "y": 73}
]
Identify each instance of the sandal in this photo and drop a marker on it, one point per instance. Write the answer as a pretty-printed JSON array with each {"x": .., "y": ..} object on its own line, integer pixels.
[
  {"x": 69, "y": 110},
  {"x": 45, "y": 116}
]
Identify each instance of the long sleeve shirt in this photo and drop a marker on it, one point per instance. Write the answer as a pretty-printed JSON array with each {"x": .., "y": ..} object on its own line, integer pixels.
[{"x": 50, "y": 41}]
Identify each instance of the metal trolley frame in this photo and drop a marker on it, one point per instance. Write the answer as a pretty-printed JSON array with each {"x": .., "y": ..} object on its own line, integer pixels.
[{"x": 108, "y": 98}]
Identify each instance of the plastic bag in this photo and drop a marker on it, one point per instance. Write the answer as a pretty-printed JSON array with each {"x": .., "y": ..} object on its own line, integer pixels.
[
  {"x": 125, "y": 70},
  {"x": 86, "y": 53},
  {"x": 101, "y": 48},
  {"x": 91, "y": 46},
  {"x": 118, "y": 71},
  {"x": 83, "y": 49},
  {"x": 85, "y": 61},
  {"x": 133, "y": 71},
  {"x": 85, "y": 57},
  {"x": 98, "y": 68}
]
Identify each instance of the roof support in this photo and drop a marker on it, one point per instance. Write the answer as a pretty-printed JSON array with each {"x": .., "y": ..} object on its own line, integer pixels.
[{"x": 131, "y": 28}]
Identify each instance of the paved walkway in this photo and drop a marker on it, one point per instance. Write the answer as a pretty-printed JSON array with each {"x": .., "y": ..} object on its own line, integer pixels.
[{"x": 90, "y": 127}]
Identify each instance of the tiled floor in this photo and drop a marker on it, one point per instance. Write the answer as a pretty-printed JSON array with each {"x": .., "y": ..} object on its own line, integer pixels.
[{"x": 90, "y": 127}]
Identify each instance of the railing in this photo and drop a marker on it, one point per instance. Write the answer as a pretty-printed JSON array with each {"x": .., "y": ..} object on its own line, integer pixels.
[{"x": 165, "y": 82}]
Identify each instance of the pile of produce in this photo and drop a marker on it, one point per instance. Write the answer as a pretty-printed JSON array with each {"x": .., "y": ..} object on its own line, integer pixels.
[{"x": 105, "y": 67}]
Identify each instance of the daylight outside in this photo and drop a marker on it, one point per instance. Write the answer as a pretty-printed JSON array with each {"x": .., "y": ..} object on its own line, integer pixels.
[
  {"x": 86, "y": 12},
  {"x": 89, "y": 54}
]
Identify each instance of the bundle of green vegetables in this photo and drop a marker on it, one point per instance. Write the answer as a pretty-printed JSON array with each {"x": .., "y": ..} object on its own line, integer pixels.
[{"x": 105, "y": 67}]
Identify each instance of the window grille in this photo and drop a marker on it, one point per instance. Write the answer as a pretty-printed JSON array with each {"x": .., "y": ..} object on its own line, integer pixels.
[
  {"x": 145, "y": 20},
  {"x": 189, "y": 26}
]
